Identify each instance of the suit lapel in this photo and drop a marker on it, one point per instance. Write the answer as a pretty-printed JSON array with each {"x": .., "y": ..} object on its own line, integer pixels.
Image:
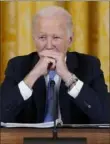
[
  {"x": 39, "y": 96},
  {"x": 72, "y": 61},
  {"x": 64, "y": 98}
]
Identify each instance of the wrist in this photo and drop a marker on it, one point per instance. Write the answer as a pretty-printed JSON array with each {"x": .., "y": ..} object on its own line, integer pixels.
[
  {"x": 71, "y": 81},
  {"x": 66, "y": 75},
  {"x": 30, "y": 79}
]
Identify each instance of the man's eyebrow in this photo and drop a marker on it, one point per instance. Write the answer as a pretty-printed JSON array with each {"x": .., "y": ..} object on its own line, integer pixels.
[{"x": 41, "y": 33}]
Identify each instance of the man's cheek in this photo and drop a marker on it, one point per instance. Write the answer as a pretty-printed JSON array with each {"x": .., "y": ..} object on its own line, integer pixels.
[{"x": 40, "y": 49}]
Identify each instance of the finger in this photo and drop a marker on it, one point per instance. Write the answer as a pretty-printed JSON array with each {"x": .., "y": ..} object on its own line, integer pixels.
[
  {"x": 50, "y": 55},
  {"x": 51, "y": 63}
]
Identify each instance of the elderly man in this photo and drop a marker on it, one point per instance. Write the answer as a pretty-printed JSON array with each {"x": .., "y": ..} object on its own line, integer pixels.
[{"x": 79, "y": 82}]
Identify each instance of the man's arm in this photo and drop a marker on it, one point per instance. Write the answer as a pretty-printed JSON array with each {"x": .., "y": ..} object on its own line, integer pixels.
[
  {"x": 93, "y": 97},
  {"x": 12, "y": 93},
  {"x": 10, "y": 96}
]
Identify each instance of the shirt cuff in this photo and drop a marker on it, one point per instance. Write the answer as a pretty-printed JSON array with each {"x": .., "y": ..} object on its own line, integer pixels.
[
  {"x": 25, "y": 91},
  {"x": 76, "y": 89}
]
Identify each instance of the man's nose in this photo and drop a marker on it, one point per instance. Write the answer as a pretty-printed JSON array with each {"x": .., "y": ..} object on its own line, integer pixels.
[{"x": 49, "y": 43}]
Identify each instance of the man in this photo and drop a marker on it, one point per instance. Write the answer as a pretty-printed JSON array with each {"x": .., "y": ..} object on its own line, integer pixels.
[{"x": 79, "y": 82}]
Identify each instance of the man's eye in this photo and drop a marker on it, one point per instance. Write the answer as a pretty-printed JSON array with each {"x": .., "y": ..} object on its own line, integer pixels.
[
  {"x": 42, "y": 37},
  {"x": 56, "y": 37}
]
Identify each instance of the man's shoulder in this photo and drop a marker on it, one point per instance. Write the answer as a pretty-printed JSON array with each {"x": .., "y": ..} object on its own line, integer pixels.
[
  {"x": 86, "y": 58},
  {"x": 88, "y": 66},
  {"x": 23, "y": 58},
  {"x": 22, "y": 62},
  {"x": 18, "y": 66}
]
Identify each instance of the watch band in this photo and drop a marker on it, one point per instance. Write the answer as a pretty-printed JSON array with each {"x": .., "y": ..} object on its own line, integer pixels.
[{"x": 71, "y": 80}]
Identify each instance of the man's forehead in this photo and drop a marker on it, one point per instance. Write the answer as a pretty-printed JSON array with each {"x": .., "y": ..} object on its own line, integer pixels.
[{"x": 51, "y": 20}]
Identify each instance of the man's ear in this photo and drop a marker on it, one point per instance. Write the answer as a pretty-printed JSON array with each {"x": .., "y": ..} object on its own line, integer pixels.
[{"x": 70, "y": 40}]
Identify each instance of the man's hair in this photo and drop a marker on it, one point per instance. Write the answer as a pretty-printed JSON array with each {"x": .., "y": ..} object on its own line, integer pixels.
[{"x": 55, "y": 11}]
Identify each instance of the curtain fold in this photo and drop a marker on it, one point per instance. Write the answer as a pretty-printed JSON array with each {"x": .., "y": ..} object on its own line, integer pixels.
[
  {"x": 91, "y": 29},
  {"x": 8, "y": 34}
]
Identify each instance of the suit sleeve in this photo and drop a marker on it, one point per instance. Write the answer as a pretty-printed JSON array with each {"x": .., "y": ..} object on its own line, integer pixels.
[
  {"x": 93, "y": 98},
  {"x": 10, "y": 97}
]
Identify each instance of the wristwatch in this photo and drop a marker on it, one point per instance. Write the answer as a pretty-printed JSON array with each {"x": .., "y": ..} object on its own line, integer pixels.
[{"x": 71, "y": 81}]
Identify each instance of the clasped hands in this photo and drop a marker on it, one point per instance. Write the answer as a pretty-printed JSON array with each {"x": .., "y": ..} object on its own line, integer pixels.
[
  {"x": 58, "y": 63},
  {"x": 57, "y": 60}
]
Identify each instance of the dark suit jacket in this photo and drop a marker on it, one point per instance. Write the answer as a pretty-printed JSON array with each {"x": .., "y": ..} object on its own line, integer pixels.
[{"x": 93, "y": 93}]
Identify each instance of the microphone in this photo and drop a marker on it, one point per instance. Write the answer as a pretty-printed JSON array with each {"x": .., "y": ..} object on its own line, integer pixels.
[{"x": 55, "y": 108}]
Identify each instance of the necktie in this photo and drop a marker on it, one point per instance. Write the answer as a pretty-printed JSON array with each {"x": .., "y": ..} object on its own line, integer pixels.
[{"x": 49, "y": 102}]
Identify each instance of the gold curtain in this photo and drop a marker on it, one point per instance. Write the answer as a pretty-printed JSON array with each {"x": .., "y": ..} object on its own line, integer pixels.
[{"x": 91, "y": 29}]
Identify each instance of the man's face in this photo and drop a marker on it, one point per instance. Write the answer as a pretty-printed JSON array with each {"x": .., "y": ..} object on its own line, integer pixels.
[{"x": 51, "y": 34}]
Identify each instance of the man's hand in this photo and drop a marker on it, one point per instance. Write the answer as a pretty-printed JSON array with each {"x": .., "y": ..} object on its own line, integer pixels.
[
  {"x": 41, "y": 68},
  {"x": 60, "y": 63}
]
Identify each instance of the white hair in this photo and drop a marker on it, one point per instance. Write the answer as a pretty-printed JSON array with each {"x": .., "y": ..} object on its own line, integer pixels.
[{"x": 55, "y": 11}]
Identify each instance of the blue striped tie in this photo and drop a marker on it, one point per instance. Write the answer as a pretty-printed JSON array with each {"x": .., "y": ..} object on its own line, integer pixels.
[{"x": 49, "y": 102}]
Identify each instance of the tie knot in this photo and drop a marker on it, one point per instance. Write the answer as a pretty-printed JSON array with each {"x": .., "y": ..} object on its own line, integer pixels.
[{"x": 52, "y": 74}]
